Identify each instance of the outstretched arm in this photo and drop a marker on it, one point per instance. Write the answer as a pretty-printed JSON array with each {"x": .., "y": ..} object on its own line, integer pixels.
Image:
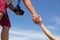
[
  {"x": 37, "y": 19},
  {"x": 45, "y": 30},
  {"x": 31, "y": 9}
]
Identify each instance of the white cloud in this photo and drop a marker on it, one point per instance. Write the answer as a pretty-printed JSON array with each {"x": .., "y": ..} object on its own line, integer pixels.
[
  {"x": 29, "y": 35},
  {"x": 25, "y": 35}
]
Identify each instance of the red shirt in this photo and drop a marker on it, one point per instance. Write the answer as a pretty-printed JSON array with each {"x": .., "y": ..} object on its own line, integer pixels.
[{"x": 3, "y": 6}]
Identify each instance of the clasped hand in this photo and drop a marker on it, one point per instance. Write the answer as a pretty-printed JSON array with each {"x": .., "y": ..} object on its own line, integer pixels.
[{"x": 37, "y": 19}]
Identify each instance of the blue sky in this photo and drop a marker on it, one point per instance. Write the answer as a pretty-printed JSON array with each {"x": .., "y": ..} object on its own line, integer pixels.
[{"x": 23, "y": 28}]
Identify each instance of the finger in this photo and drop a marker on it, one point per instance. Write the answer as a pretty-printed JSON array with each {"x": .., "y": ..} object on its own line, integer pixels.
[{"x": 36, "y": 21}]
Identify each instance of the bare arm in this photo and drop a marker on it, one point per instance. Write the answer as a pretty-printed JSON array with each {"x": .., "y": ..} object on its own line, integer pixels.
[
  {"x": 37, "y": 19},
  {"x": 47, "y": 32},
  {"x": 11, "y": 7},
  {"x": 17, "y": 12},
  {"x": 30, "y": 7}
]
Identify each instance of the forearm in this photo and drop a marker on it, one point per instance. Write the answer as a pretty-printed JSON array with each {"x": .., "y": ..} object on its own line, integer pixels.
[
  {"x": 47, "y": 32},
  {"x": 29, "y": 6},
  {"x": 11, "y": 7}
]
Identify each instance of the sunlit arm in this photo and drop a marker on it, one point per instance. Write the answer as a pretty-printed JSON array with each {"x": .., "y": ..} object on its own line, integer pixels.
[
  {"x": 29, "y": 6},
  {"x": 33, "y": 12},
  {"x": 47, "y": 32}
]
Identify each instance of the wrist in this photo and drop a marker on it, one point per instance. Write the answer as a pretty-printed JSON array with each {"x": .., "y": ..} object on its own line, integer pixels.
[
  {"x": 34, "y": 14},
  {"x": 40, "y": 24}
]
